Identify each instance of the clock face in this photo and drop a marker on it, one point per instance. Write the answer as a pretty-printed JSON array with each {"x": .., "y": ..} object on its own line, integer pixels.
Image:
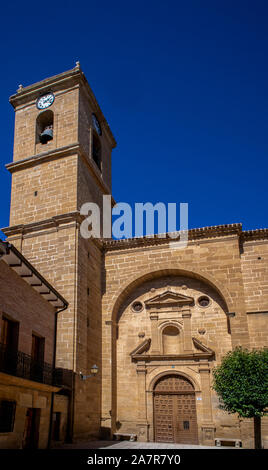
[
  {"x": 96, "y": 124},
  {"x": 45, "y": 101}
]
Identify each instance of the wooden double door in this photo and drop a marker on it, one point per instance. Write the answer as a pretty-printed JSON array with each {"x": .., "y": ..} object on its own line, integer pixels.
[{"x": 175, "y": 418}]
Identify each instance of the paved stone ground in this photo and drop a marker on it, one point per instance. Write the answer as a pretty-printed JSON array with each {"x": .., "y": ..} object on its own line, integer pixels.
[{"x": 132, "y": 445}]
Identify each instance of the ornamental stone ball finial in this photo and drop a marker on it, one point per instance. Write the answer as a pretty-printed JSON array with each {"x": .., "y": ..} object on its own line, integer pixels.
[{"x": 19, "y": 89}]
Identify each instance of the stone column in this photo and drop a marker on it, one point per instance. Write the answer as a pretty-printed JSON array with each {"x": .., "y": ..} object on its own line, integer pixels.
[
  {"x": 155, "y": 348},
  {"x": 208, "y": 427},
  {"x": 188, "y": 343},
  {"x": 142, "y": 424}
]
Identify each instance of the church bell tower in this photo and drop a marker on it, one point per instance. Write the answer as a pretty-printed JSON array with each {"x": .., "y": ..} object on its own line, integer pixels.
[
  {"x": 62, "y": 159},
  {"x": 62, "y": 148}
]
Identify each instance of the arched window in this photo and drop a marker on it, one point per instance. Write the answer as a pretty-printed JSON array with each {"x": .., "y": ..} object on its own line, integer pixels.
[
  {"x": 44, "y": 127},
  {"x": 171, "y": 340},
  {"x": 96, "y": 150}
]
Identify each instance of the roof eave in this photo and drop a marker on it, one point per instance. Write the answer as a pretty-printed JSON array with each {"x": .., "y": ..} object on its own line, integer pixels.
[{"x": 58, "y": 302}]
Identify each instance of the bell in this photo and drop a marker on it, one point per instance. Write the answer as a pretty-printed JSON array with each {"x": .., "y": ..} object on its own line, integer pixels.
[{"x": 46, "y": 135}]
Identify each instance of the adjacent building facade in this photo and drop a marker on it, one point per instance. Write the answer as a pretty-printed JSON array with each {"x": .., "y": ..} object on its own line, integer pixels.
[
  {"x": 33, "y": 397},
  {"x": 154, "y": 318}
]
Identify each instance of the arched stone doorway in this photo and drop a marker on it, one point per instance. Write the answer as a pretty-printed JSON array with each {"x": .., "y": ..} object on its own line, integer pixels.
[{"x": 175, "y": 417}]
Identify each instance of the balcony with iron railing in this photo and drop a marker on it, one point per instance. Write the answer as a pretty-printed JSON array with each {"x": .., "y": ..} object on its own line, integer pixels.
[{"x": 22, "y": 365}]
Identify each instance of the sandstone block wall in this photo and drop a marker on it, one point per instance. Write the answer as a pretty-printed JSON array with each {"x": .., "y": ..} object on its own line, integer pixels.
[
  {"x": 43, "y": 191},
  {"x": 213, "y": 267},
  {"x": 25, "y": 398},
  {"x": 254, "y": 265}
]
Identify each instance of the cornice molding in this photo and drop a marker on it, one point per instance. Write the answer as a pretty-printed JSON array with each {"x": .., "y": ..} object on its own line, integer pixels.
[
  {"x": 142, "y": 353},
  {"x": 215, "y": 232},
  {"x": 162, "y": 239},
  {"x": 44, "y": 156},
  {"x": 31, "y": 92},
  {"x": 218, "y": 231},
  {"x": 40, "y": 227},
  {"x": 172, "y": 357},
  {"x": 60, "y": 153},
  {"x": 52, "y": 222},
  {"x": 258, "y": 234}
]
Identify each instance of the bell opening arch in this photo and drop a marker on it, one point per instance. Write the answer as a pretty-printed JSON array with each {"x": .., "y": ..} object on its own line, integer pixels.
[{"x": 44, "y": 127}]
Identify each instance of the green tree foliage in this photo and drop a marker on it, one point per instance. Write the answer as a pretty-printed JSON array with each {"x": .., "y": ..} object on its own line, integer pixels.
[{"x": 241, "y": 381}]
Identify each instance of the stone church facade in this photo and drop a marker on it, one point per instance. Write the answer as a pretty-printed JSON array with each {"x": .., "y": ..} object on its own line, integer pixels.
[{"x": 154, "y": 318}]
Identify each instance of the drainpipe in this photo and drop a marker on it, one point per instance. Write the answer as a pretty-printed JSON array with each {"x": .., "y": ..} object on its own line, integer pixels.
[{"x": 53, "y": 366}]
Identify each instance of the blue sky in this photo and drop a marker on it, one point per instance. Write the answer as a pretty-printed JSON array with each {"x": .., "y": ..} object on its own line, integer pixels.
[{"x": 183, "y": 85}]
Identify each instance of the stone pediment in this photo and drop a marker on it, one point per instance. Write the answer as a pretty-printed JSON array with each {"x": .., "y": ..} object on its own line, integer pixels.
[
  {"x": 200, "y": 351},
  {"x": 168, "y": 298}
]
